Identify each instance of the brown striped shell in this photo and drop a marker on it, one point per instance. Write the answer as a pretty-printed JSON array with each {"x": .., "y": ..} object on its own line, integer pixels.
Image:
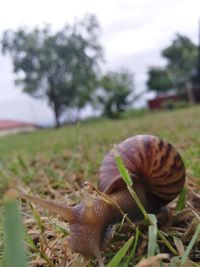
[{"x": 149, "y": 159}]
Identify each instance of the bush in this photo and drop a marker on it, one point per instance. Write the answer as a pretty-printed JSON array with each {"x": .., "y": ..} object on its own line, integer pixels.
[{"x": 171, "y": 104}]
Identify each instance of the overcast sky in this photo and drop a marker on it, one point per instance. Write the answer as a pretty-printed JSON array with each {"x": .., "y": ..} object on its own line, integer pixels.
[{"x": 133, "y": 33}]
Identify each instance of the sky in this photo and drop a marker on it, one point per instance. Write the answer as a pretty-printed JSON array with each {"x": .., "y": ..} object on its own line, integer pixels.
[{"x": 132, "y": 34}]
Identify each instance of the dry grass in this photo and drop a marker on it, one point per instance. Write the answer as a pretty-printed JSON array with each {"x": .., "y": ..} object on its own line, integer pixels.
[{"x": 54, "y": 164}]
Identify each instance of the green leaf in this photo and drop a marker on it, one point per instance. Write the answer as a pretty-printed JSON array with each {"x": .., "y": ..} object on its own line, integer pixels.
[
  {"x": 135, "y": 243},
  {"x": 23, "y": 163},
  {"x": 190, "y": 245},
  {"x": 120, "y": 254},
  {"x": 14, "y": 255},
  {"x": 127, "y": 179},
  {"x": 181, "y": 200},
  {"x": 153, "y": 231},
  {"x": 122, "y": 169},
  {"x": 153, "y": 219}
]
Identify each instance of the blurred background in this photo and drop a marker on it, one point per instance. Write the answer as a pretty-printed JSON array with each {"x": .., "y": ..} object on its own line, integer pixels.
[{"x": 63, "y": 61}]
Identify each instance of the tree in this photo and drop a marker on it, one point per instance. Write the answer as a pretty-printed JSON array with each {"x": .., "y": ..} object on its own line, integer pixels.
[
  {"x": 181, "y": 59},
  {"x": 113, "y": 96},
  {"x": 159, "y": 80},
  {"x": 61, "y": 66}
]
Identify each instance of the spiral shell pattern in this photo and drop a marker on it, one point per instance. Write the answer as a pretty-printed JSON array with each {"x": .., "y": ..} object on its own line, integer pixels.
[{"x": 148, "y": 159}]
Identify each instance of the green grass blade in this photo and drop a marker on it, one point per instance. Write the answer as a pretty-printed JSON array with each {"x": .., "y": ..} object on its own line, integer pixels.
[
  {"x": 23, "y": 163},
  {"x": 14, "y": 255},
  {"x": 120, "y": 254},
  {"x": 127, "y": 179},
  {"x": 153, "y": 219},
  {"x": 190, "y": 245},
  {"x": 181, "y": 200},
  {"x": 37, "y": 218},
  {"x": 135, "y": 243},
  {"x": 122, "y": 169},
  {"x": 153, "y": 232}
]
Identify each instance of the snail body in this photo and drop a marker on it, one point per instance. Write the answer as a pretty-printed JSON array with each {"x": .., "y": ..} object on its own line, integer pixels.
[{"x": 158, "y": 175}]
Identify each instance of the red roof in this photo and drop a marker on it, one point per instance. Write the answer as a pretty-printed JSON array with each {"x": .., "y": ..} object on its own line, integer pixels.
[{"x": 8, "y": 124}]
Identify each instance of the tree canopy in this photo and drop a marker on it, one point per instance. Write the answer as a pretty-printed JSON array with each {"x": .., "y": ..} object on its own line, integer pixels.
[
  {"x": 61, "y": 66},
  {"x": 181, "y": 62},
  {"x": 115, "y": 92},
  {"x": 160, "y": 79}
]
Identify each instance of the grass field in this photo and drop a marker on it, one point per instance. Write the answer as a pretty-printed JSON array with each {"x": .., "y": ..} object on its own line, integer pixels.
[{"x": 55, "y": 163}]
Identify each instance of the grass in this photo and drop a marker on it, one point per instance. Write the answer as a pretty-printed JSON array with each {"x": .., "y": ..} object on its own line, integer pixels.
[
  {"x": 55, "y": 163},
  {"x": 14, "y": 253}
]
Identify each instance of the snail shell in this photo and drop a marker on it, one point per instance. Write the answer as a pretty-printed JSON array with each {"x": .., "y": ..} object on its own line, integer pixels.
[{"x": 150, "y": 161}]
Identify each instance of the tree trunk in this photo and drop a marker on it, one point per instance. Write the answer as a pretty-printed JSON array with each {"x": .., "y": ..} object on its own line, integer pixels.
[
  {"x": 57, "y": 122},
  {"x": 54, "y": 102},
  {"x": 56, "y": 115},
  {"x": 190, "y": 93}
]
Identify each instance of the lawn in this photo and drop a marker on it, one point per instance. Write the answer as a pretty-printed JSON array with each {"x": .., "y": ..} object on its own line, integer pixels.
[{"x": 55, "y": 163}]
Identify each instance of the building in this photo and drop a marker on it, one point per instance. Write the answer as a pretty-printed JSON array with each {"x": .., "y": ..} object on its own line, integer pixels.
[
  {"x": 167, "y": 101},
  {"x": 159, "y": 102},
  {"x": 13, "y": 127}
]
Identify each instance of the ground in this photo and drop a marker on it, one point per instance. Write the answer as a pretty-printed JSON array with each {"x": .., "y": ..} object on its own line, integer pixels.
[{"x": 55, "y": 163}]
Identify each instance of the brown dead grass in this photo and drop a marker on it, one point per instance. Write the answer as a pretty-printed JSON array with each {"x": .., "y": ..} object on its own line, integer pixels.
[{"x": 48, "y": 234}]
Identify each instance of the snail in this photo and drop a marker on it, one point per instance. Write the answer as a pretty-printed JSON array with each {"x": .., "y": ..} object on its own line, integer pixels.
[{"x": 158, "y": 175}]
